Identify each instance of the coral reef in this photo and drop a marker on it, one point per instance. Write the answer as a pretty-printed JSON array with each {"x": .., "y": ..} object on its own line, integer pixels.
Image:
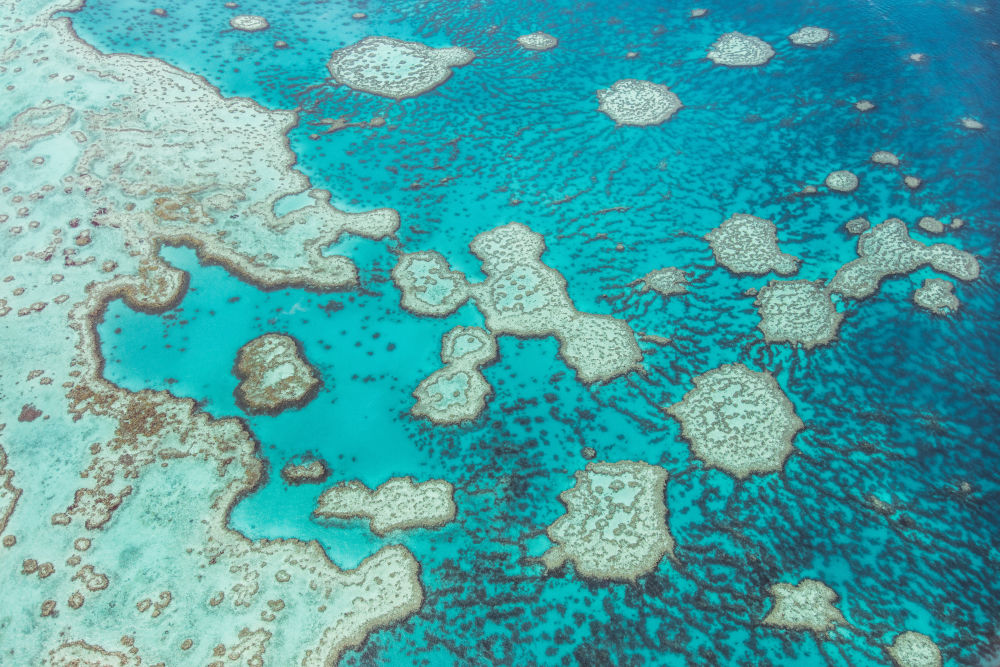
[
  {"x": 746, "y": 244},
  {"x": 393, "y": 68},
  {"x": 615, "y": 522},
  {"x": 636, "y": 102},
  {"x": 398, "y": 504},
  {"x": 738, "y": 420}
]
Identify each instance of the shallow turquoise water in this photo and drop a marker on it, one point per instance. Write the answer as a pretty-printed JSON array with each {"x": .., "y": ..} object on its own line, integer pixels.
[{"x": 520, "y": 126}]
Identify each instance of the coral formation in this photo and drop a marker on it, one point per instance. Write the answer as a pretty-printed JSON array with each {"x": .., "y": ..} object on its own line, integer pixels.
[
  {"x": 937, "y": 295},
  {"x": 538, "y": 41},
  {"x": 806, "y": 606},
  {"x": 458, "y": 391},
  {"x": 427, "y": 284},
  {"x": 309, "y": 470},
  {"x": 393, "y": 68},
  {"x": 398, "y": 504},
  {"x": 734, "y": 49},
  {"x": 636, "y": 102},
  {"x": 798, "y": 312},
  {"x": 667, "y": 281},
  {"x": 746, "y": 244},
  {"x": 521, "y": 296},
  {"x": 249, "y": 23},
  {"x": 738, "y": 420},
  {"x": 885, "y": 157},
  {"x": 914, "y": 649},
  {"x": 615, "y": 522},
  {"x": 887, "y": 249},
  {"x": 810, "y": 36},
  {"x": 841, "y": 181},
  {"x": 274, "y": 375}
]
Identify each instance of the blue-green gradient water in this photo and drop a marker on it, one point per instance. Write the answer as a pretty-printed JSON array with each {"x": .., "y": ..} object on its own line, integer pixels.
[{"x": 903, "y": 406}]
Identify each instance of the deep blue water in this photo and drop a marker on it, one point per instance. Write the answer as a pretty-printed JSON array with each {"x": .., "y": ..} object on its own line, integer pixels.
[{"x": 513, "y": 125}]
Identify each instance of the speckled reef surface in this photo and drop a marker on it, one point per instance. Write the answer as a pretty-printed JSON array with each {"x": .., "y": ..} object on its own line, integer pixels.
[{"x": 370, "y": 333}]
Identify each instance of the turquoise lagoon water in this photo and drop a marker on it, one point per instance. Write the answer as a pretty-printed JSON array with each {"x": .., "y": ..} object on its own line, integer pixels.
[{"x": 903, "y": 406}]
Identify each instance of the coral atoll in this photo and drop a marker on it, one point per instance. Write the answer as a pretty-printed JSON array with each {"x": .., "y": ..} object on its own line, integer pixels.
[{"x": 427, "y": 284}]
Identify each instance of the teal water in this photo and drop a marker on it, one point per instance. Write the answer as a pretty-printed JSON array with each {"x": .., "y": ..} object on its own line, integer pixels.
[{"x": 515, "y": 136}]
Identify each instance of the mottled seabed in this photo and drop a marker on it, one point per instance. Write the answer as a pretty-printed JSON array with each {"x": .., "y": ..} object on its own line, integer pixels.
[{"x": 282, "y": 384}]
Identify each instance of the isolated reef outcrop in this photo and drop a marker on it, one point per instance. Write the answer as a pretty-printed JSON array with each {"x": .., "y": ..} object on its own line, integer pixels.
[
  {"x": 808, "y": 605},
  {"x": 274, "y": 375},
  {"x": 394, "y": 68},
  {"x": 738, "y": 420},
  {"x": 637, "y": 102},
  {"x": 914, "y": 649},
  {"x": 538, "y": 41},
  {"x": 800, "y": 312},
  {"x": 734, "y": 49},
  {"x": 746, "y": 244},
  {"x": 937, "y": 295},
  {"x": 458, "y": 391},
  {"x": 427, "y": 284},
  {"x": 615, "y": 525},
  {"x": 398, "y": 504}
]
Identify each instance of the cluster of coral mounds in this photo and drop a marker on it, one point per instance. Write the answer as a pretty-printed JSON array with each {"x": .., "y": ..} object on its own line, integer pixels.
[
  {"x": 637, "y": 102},
  {"x": 798, "y": 312},
  {"x": 427, "y": 284},
  {"x": 734, "y": 49},
  {"x": 274, "y": 375},
  {"x": 398, "y": 504},
  {"x": 249, "y": 23},
  {"x": 393, "y": 68},
  {"x": 668, "y": 281},
  {"x": 523, "y": 297},
  {"x": 308, "y": 470},
  {"x": 810, "y": 36},
  {"x": 807, "y": 606},
  {"x": 738, "y": 420},
  {"x": 538, "y": 41},
  {"x": 937, "y": 295},
  {"x": 615, "y": 523},
  {"x": 914, "y": 649},
  {"x": 841, "y": 181},
  {"x": 887, "y": 250},
  {"x": 458, "y": 391},
  {"x": 746, "y": 244}
]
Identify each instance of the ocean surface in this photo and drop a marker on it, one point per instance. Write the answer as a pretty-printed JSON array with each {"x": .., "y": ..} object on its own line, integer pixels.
[{"x": 903, "y": 406}]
